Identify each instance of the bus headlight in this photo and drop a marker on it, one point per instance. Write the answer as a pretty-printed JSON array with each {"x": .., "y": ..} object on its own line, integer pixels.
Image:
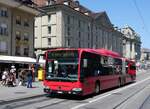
[
  {"x": 46, "y": 87},
  {"x": 77, "y": 89}
]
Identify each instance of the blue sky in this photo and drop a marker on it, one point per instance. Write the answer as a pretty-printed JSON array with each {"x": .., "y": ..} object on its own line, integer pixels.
[{"x": 124, "y": 12}]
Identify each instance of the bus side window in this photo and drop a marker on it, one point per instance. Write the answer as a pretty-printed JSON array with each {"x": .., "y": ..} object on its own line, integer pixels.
[
  {"x": 90, "y": 64},
  {"x": 105, "y": 70},
  {"x": 85, "y": 63}
]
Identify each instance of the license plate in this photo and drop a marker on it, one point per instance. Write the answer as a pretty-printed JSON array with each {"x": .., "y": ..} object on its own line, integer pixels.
[{"x": 60, "y": 92}]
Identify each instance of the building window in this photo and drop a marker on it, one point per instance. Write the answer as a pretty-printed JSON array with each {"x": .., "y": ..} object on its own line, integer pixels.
[
  {"x": 26, "y": 51},
  {"x": 1, "y": 30},
  {"x": 49, "y": 29},
  {"x": 96, "y": 38},
  {"x": 17, "y": 52},
  {"x": 103, "y": 39},
  {"x": 49, "y": 18},
  {"x": 18, "y": 20},
  {"x": 96, "y": 46},
  {"x": 88, "y": 36},
  {"x": 49, "y": 41},
  {"x": 18, "y": 36},
  {"x": 68, "y": 31},
  {"x": 68, "y": 42},
  {"x": 3, "y": 47},
  {"x": 79, "y": 34},
  {"x": 66, "y": 3},
  {"x": 130, "y": 46},
  {"x": 4, "y": 12},
  {"x": 88, "y": 27},
  {"x": 68, "y": 19},
  {"x": 79, "y": 23},
  {"x": 26, "y": 37},
  {"x": 79, "y": 44},
  {"x": 50, "y": 2},
  {"x": 4, "y": 29},
  {"x": 26, "y": 23},
  {"x": 88, "y": 45}
]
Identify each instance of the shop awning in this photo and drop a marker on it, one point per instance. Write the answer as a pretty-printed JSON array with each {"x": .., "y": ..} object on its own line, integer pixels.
[{"x": 16, "y": 59}]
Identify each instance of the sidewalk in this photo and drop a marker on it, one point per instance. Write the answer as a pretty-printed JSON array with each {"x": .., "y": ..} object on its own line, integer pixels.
[
  {"x": 8, "y": 94},
  {"x": 141, "y": 71}
]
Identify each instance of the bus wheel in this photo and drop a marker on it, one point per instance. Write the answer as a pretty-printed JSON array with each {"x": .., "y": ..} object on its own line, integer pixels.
[
  {"x": 119, "y": 83},
  {"x": 97, "y": 88},
  {"x": 132, "y": 78}
]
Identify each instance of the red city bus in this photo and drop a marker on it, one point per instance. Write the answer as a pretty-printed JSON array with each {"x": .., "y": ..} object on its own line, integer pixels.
[{"x": 82, "y": 71}]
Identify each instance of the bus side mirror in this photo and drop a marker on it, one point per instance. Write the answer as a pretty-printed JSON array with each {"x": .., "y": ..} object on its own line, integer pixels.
[
  {"x": 56, "y": 64},
  {"x": 85, "y": 62}
]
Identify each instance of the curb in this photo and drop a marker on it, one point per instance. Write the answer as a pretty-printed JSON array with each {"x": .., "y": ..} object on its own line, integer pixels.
[{"x": 2, "y": 102}]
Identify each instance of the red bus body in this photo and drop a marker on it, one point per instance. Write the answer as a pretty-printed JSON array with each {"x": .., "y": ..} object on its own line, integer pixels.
[
  {"x": 131, "y": 68},
  {"x": 90, "y": 69}
]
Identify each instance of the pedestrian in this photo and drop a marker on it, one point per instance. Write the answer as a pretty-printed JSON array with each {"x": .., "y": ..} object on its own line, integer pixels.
[
  {"x": 29, "y": 79},
  {"x": 33, "y": 73},
  {"x": 138, "y": 65},
  {"x": 4, "y": 77},
  {"x": 10, "y": 80},
  {"x": 13, "y": 74},
  {"x": 20, "y": 78}
]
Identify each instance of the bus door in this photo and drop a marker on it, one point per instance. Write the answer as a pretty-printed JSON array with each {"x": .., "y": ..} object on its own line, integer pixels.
[
  {"x": 89, "y": 71},
  {"x": 85, "y": 77},
  {"x": 124, "y": 75},
  {"x": 123, "y": 67}
]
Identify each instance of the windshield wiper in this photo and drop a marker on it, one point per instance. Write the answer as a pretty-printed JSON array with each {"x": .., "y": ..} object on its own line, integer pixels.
[{"x": 72, "y": 76}]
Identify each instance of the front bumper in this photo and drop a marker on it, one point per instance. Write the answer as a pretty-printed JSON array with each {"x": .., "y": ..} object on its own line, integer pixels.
[{"x": 49, "y": 91}]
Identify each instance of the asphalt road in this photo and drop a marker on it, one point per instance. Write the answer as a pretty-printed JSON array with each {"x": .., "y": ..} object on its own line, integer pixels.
[{"x": 131, "y": 96}]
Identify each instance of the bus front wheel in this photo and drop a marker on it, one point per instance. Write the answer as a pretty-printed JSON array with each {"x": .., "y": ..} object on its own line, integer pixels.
[
  {"x": 97, "y": 88},
  {"x": 119, "y": 82}
]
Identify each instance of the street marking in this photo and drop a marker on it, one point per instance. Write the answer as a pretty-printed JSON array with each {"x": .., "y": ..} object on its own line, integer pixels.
[
  {"x": 81, "y": 105},
  {"x": 123, "y": 88},
  {"x": 99, "y": 98},
  {"x": 110, "y": 93}
]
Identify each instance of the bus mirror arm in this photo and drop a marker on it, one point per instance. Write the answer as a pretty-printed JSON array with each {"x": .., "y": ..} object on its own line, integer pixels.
[
  {"x": 39, "y": 56},
  {"x": 82, "y": 79}
]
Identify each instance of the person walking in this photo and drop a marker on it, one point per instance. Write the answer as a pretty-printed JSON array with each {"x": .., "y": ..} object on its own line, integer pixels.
[
  {"x": 33, "y": 73},
  {"x": 10, "y": 80},
  {"x": 21, "y": 78},
  {"x": 4, "y": 78},
  {"x": 13, "y": 72},
  {"x": 29, "y": 79}
]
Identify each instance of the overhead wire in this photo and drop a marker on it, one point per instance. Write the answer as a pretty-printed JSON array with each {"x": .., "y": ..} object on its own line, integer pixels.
[{"x": 141, "y": 17}]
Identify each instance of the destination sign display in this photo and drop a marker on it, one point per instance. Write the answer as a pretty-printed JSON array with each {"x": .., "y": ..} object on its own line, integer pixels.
[{"x": 62, "y": 54}]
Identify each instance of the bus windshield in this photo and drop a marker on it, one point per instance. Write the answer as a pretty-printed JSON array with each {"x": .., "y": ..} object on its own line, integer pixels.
[{"x": 62, "y": 66}]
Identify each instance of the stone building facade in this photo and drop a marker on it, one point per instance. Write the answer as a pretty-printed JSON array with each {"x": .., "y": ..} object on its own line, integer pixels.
[
  {"x": 145, "y": 54},
  {"x": 16, "y": 28},
  {"x": 131, "y": 43},
  {"x": 69, "y": 24}
]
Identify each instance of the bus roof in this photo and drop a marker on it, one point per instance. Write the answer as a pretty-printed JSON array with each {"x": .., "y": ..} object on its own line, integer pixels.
[{"x": 108, "y": 52}]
